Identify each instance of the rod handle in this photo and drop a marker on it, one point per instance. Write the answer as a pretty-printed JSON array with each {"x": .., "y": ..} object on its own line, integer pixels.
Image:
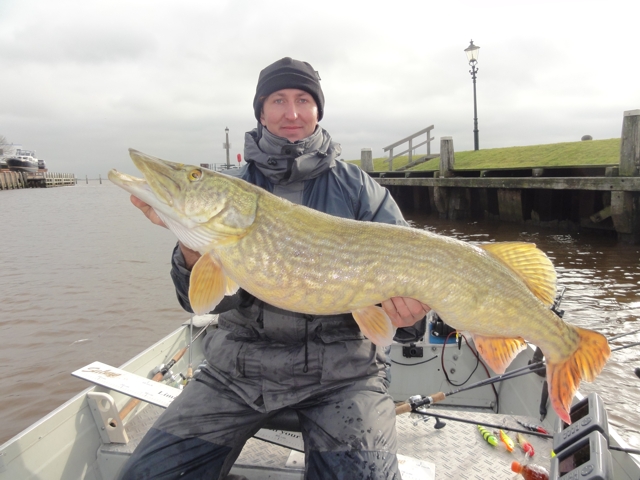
[
  {"x": 438, "y": 397},
  {"x": 408, "y": 407}
]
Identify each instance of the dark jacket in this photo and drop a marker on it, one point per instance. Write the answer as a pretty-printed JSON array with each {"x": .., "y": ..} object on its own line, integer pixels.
[{"x": 326, "y": 349}]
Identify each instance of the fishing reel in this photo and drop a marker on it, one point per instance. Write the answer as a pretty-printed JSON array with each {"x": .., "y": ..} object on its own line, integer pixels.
[{"x": 171, "y": 379}]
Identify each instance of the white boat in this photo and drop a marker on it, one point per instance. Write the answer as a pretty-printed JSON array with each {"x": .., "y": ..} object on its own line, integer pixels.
[
  {"x": 23, "y": 161},
  {"x": 85, "y": 438}
]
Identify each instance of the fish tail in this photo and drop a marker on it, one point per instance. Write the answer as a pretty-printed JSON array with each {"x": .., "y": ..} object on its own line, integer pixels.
[{"x": 585, "y": 362}]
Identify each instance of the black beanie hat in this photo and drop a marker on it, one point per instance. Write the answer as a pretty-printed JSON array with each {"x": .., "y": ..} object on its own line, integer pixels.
[{"x": 288, "y": 73}]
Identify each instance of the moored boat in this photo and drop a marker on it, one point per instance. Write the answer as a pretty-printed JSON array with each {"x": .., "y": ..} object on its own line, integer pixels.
[
  {"x": 85, "y": 438},
  {"x": 23, "y": 161}
]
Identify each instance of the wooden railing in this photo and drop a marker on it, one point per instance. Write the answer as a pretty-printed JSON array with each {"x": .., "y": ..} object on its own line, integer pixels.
[{"x": 411, "y": 148}]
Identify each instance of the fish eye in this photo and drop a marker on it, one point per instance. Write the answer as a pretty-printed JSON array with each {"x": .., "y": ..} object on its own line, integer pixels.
[{"x": 195, "y": 175}]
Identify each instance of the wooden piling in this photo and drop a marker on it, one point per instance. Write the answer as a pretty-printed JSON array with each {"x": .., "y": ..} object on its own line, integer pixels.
[
  {"x": 630, "y": 144},
  {"x": 625, "y": 205},
  {"x": 447, "y": 157},
  {"x": 366, "y": 159}
]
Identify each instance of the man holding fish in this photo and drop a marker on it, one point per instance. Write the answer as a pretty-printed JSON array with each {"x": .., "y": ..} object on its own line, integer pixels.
[{"x": 262, "y": 358}]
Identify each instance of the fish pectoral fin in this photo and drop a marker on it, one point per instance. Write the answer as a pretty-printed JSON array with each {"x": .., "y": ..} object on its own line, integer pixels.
[
  {"x": 498, "y": 352},
  {"x": 375, "y": 325},
  {"x": 530, "y": 264},
  {"x": 232, "y": 287},
  {"x": 586, "y": 362},
  {"x": 207, "y": 285}
]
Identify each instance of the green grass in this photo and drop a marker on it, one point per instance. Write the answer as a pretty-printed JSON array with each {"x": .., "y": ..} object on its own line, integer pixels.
[{"x": 593, "y": 152}]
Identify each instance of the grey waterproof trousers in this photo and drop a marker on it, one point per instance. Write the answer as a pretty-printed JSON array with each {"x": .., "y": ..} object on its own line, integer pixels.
[{"x": 348, "y": 429}]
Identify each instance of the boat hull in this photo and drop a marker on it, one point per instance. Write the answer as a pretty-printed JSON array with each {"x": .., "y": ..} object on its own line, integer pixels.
[
  {"x": 67, "y": 442},
  {"x": 21, "y": 165}
]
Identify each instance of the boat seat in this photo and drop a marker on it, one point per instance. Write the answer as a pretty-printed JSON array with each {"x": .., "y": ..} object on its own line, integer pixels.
[{"x": 286, "y": 419}]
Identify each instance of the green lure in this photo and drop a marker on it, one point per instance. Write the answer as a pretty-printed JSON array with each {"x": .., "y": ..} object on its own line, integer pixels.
[{"x": 488, "y": 436}]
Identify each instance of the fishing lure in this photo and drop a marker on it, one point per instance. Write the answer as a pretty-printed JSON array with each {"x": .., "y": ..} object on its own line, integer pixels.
[
  {"x": 532, "y": 427},
  {"x": 506, "y": 440},
  {"x": 488, "y": 436},
  {"x": 524, "y": 445}
]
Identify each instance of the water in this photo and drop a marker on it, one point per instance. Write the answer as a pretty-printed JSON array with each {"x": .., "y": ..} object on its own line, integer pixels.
[{"x": 85, "y": 277}]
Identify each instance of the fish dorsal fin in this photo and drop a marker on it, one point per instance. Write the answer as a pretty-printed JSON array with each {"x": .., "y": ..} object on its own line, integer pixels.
[
  {"x": 530, "y": 264},
  {"x": 207, "y": 285}
]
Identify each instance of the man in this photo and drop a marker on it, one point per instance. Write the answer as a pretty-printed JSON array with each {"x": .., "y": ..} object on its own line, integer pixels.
[{"x": 262, "y": 359}]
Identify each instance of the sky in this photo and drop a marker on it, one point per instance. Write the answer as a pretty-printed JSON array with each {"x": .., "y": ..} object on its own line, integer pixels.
[{"x": 82, "y": 81}]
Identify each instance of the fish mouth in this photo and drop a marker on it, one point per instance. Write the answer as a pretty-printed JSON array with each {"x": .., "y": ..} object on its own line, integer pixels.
[
  {"x": 158, "y": 186},
  {"x": 159, "y": 175}
]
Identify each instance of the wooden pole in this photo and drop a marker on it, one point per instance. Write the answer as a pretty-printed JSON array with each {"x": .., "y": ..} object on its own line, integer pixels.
[
  {"x": 630, "y": 144},
  {"x": 625, "y": 206},
  {"x": 366, "y": 159},
  {"x": 447, "y": 157}
]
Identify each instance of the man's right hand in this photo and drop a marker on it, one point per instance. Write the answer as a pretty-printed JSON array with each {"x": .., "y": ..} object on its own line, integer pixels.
[
  {"x": 148, "y": 211},
  {"x": 190, "y": 256}
]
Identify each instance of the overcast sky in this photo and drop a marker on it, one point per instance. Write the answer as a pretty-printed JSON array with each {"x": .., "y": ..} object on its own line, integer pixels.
[{"x": 82, "y": 81}]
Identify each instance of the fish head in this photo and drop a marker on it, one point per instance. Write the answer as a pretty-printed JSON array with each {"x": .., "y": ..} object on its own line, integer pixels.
[{"x": 202, "y": 207}]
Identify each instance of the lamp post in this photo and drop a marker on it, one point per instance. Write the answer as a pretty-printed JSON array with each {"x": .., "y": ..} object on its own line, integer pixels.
[
  {"x": 472, "y": 52},
  {"x": 227, "y": 146}
]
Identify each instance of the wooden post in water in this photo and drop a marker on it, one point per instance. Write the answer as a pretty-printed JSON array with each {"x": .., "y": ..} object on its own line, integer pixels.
[
  {"x": 447, "y": 157},
  {"x": 451, "y": 202},
  {"x": 625, "y": 205},
  {"x": 100, "y": 178},
  {"x": 630, "y": 144},
  {"x": 366, "y": 159}
]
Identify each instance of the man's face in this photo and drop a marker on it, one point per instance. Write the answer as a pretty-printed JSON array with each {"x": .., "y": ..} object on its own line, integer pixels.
[{"x": 290, "y": 113}]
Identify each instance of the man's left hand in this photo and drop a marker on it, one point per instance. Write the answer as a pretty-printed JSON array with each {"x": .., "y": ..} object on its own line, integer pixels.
[{"x": 404, "y": 311}]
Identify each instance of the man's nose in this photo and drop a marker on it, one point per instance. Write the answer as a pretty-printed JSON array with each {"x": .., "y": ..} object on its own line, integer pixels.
[{"x": 291, "y": 112}]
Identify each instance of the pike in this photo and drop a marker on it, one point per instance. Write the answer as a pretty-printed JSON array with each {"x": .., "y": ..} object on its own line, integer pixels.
[{"x": 306, "y": 261}]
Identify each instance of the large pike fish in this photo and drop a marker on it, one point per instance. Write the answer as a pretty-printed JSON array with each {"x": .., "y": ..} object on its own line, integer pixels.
[{"x": 305, "y": 261}]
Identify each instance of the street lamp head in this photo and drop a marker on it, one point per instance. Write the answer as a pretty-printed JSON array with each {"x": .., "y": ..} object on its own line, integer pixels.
[{"x": 472, "y": 51}]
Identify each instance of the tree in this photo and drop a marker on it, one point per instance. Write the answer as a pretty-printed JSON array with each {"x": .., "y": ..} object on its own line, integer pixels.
[{"x": 4, "y": 145}]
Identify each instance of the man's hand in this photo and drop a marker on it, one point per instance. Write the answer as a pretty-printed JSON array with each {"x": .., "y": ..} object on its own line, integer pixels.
[
  {"x": 404, "y": 311},
  {"x": 190, "y": 256},
  {"x": 148, "y": 211}
]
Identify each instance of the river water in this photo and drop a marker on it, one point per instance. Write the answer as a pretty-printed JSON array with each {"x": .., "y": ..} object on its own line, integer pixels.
[{"x": 85, "y": 277}]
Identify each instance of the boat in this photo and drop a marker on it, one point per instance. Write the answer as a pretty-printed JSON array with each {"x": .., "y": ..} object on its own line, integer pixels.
[
  {"x": 85, "y": 437},
  {"x": 3, "y": 163},
  {"x": 23, "y": 161}
]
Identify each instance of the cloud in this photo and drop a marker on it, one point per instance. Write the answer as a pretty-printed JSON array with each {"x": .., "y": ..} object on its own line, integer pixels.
[{"x": 83, "y": 81}]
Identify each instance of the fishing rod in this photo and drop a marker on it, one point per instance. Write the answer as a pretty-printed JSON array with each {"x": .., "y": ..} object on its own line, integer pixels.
[
  {"x": 538, "y": 434},
  {"x": 615, "y": 337},
  {"x": 625, "y": 346},
  {"x": 133, "y": 403},
  {"x": 484, "y": 424},
  {"x": 419, "y": 400}
]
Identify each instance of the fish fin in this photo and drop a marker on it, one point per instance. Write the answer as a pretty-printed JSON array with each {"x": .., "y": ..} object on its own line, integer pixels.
[
  {"x": 498, "y": 352},
  {"x": 375, "y": 325},
  {"x": 207, "y": 285},
  {"x": 232, "y": 287},
  {"x": 586, "y": 362},
  {"x": 530, "y": 264}
]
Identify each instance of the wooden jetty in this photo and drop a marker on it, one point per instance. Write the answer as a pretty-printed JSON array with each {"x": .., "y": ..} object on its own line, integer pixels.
[
  {"x": 605, "y": 197},
  {"x": 10, "y": 179}
]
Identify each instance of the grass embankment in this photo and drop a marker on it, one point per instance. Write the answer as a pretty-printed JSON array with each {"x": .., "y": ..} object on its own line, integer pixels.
[{"x": 569, "y": 154}]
